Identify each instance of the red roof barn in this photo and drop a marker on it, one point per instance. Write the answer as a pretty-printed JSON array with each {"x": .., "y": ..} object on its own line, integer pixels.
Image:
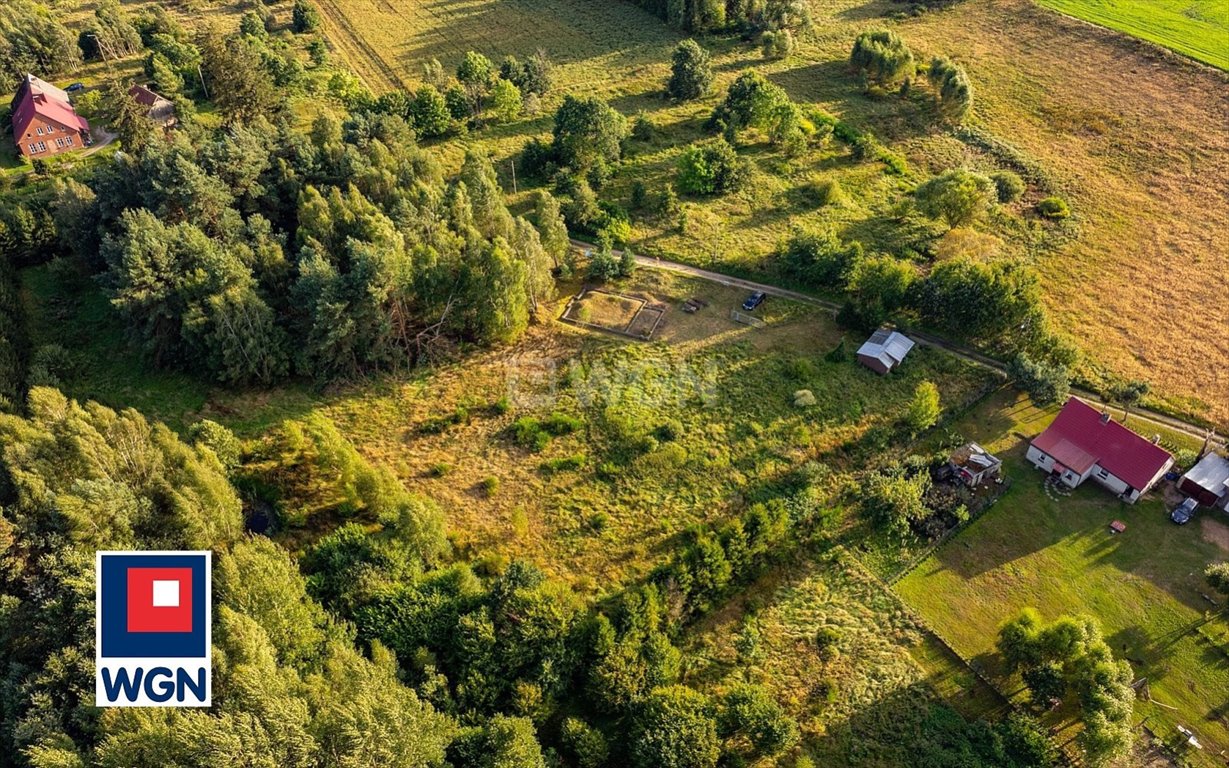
[
  {"x": 44, "y": 121},
  {"x": 1083, "y": 442}
]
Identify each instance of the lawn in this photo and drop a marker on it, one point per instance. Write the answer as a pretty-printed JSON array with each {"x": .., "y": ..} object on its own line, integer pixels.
[
  {"x": 1144, "y": 586},
  {"x": 1195, "y": 28}
]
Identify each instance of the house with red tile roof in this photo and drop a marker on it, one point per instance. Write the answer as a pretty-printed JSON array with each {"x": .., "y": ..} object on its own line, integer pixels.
[
  {"x": 44, "y": 121},
  {"x": 1084, "y": 443}
]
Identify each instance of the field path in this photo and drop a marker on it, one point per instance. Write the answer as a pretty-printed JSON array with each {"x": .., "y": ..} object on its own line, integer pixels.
[
  {"x": 928, "y": 339},
  {"x": 363, "y": 59}
]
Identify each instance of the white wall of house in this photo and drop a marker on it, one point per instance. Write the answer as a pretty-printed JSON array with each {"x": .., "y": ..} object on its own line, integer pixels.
[
  {"x": 1040, "y": 459},
  {"x": 1112, "y": 482},
  {"x": 1045, "y": 462}
]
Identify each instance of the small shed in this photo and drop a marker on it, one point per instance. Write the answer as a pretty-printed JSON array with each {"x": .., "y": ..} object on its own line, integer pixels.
[
  {"x": 975, "y": 465},
  {"x": 158, "y": 108},
  {"x": 884, "y": 350},
  {"x": 1208, "y": 481}
]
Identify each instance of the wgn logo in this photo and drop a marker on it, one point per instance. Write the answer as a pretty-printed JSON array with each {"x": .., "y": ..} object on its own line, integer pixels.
[{"x": 153, "y": 620}]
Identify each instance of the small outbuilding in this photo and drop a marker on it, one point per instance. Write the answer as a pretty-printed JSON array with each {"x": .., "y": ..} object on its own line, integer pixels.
[
  {"x": 884, "y": 350},
  {"x": 974, "y": 465},
  {"x": 1208, "y": 481},
  {"x": 157, "y": 108}
]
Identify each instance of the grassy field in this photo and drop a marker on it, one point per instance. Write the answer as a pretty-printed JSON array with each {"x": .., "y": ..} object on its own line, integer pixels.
[
  {"x": 861, "y": 707},
  {"x": 729, "y": 388},
  {"x": 1144, "y": 586},
  {"x": 1195, "y": 28},
  {"x": 1143, "y": 165}
]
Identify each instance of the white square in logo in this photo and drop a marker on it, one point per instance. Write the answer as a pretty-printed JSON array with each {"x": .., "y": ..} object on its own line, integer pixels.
[{"x": 166, "y": 594}]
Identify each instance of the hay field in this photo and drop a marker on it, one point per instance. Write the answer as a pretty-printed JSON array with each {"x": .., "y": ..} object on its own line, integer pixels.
[
  {"x": 1195, "y": 28},
  {"x": 1137, "y": 141},
  {"x": 388, "y": 41}
]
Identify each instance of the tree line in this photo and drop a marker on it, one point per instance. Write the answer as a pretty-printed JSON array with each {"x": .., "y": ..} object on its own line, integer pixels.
[{"x": 256, "y": 250}]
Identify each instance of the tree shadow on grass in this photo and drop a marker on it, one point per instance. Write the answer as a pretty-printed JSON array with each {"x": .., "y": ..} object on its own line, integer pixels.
[{"x": 872, "y": 11}]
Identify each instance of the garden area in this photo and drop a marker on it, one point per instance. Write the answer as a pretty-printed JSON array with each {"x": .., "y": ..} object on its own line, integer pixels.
[{"x": 1056, "y": 554}]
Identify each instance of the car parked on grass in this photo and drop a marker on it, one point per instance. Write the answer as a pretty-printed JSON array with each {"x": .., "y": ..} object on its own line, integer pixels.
[
  {"x": 754, "y": 300},
  {"x": 75, "y": 87},
  {"x": 1183, "y": 513}
]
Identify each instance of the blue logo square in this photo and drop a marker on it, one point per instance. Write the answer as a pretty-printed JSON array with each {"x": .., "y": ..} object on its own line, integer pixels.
[{"x": 117, "y": 641}]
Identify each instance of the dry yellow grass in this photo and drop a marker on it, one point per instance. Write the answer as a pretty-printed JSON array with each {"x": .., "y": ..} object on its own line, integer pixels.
[
  {"x": 606, "y": 309},
  {"x": 1139, "y": 142},
  {"x": 1133, "y": 136}
]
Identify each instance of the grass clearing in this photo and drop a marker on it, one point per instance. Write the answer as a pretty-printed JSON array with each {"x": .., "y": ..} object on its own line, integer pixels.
[
  {"x": 1143, "y": 167},
  {"x": 1145, "y": 586},
  {"x": 1195, "y": 28},
  {"x": 861, "y": 705},
  {"x": 602, "y": 514}
]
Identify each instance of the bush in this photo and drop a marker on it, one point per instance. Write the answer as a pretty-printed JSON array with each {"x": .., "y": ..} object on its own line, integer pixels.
[
  {"x": 827, "y": 642},
  {"x": 819, "y": 257},
  {"x": 640, "y": 195},
  {"x": 749, "y": 711},
  {"x": 668, "y": 430},
  {"x": 305, "y": 17},
  {"x": 1217, "y": 576},
  {"x": 825, "y": 191},
  {"x": 1054, "y": 208},
  {"x": 643, "y": 129},
  {"x": 710, "y": 168},
  {"x": 561, "y": 424},
  {"x": 1008, "y": 185},
  {"x": 804, "y": 398},
  {"x": 881, "y": 57},
  {"x": 777, "y": 44},
  {"x": 490, "y": 485},
  {"x": 957, "y": 196},
  {"x": 952, "y": 88}
]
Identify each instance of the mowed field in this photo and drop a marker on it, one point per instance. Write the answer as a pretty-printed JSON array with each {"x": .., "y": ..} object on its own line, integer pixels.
[
  {"x": 1196, "y": 28},
  {"x": 1056, "y": 554}
]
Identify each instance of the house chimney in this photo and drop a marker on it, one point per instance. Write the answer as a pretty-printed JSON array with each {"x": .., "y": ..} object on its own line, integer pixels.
[{"x": 1105, "y": 416}]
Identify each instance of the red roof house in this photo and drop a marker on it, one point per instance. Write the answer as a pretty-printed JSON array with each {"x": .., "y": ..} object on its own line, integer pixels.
[
  {"x": 1084, "y": 442},
  {"x": 44, "y": 121}
]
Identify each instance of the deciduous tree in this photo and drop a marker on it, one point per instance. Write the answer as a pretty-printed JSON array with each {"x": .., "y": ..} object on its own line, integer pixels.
[{"x": 691, "y": 71}]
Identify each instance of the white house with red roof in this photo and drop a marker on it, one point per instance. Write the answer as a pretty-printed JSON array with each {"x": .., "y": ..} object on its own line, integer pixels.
[
  {"x": 1084, "y": 443},
  {"x": 44, "y": 121}
]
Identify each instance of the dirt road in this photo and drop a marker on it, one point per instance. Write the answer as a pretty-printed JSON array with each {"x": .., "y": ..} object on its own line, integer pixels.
[{"x": 928, "y": 339}]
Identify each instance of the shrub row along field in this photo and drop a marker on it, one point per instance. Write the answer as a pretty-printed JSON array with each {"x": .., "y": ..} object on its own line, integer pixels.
[
  {"x": 1195, "y": 28},
  {"x": 1056, "y": 554},
  {"x": 1141, "y": 168}
]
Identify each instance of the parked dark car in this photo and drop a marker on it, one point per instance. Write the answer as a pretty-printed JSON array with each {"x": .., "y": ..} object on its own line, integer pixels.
[
  {"x": 75, "y": 87},
  {"x": 1183, "y": 513},
  {"x": 754, "y": 300}
]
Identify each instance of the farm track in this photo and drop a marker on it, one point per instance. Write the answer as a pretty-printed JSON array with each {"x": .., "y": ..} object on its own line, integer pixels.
[
  {"x": 356, "y": 50},
  {"x": 928, "y": 339}
]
